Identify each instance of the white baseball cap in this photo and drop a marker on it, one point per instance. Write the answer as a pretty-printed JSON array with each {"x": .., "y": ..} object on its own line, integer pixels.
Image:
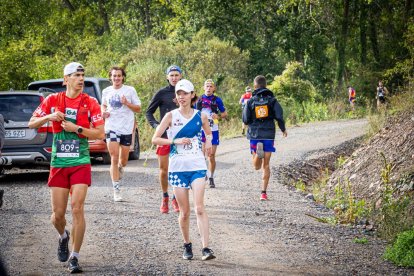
[
  {"x": 72, "y": 68},
  {"x": 184, "y": 85}
]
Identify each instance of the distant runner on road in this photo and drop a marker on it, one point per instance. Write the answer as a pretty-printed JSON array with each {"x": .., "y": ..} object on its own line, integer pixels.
[
  {"x": 165, "y": 101},
  {"x": 71, "y": 113},
  {"x": 243, "y": 101},
  {"x": 351, "y": 97},
  {"x": 119, "y": 103},
  {"x": 381, "y": 94},
  {"x": 187, "y": 166},
  {"x": 213, "y": 107},
  {"x": 259, "y": 114}
]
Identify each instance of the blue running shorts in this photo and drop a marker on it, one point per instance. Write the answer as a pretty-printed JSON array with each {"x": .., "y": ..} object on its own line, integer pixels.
[
  {"x": 215, "y": 141},
  {"x": 268, "y": 145},
  {"x": 184, "y": 179}
]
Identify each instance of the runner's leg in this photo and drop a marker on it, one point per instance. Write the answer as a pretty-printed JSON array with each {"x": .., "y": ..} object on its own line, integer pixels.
[
  {"x": 78, "y": 196},
  {"x": 113, "y": 148},
  {"x": 257, "y": 162},
  {"x": 124, "y": 155},
  {"x": 163, "y": 176},
  {"x": 212, "y": 161},
  {"x": 59, "y": 200},
  {"x": 182, "y": 196},
  {"x": 266, "y": 170},
  {"x": 198, "y": 188}
]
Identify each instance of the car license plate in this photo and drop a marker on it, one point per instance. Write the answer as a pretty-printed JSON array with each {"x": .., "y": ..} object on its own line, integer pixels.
[{"x": 15, "y": 133}]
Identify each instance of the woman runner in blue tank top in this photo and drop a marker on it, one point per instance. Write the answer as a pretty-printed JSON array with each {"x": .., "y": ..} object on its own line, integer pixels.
[{"x": 187, "y": 166}]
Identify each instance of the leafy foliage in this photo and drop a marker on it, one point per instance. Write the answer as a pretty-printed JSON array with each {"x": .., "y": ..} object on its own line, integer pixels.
[
  {"x": 291, "y": 84},
  {"x": 402, "y": 251}
]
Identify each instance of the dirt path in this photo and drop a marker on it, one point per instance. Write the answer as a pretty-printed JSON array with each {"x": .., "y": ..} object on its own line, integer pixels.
[{"x": 249, "y": 237}]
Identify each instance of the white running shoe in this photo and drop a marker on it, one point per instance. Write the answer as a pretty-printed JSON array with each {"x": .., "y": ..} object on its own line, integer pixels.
[
  {"x": 259, "y": 150},
  {"x": 117, "y": 196}
]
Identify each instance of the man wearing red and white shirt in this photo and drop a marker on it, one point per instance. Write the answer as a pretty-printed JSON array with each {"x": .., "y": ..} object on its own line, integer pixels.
[{"x": 75, "y": 117}]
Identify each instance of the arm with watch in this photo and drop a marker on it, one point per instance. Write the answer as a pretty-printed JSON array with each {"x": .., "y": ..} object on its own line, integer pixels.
[{"x": 92, "y": 133}]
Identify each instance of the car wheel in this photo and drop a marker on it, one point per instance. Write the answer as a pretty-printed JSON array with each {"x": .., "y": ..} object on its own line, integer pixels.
[
  {"x": 106, "y": 158},
  {"x": 135, "y": 154}
]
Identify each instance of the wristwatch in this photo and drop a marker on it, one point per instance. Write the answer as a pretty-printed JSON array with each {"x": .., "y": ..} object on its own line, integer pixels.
[{"x": 79, "y": 130}]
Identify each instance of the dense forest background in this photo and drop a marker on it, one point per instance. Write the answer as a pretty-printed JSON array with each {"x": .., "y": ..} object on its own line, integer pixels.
[{"x": 309, "y": 50}]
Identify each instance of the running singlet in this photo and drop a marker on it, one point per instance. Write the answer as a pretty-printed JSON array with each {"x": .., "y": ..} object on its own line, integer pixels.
[
  {"x": 244, "y": 98},
  {"x": 206, "y": 109},
  {"x": 68, "y": 149},
  {"x": 186, "y": 158}
]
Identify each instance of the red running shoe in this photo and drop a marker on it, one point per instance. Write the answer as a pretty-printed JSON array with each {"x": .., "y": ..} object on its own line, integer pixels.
[
  {"x": 175, "y": 206},
  {"x": 263, "y": 196},
  {"x": 164, "y": 205}
]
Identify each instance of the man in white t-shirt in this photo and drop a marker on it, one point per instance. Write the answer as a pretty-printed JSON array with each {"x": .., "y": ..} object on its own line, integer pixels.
[{"x": 119, "y": 103}]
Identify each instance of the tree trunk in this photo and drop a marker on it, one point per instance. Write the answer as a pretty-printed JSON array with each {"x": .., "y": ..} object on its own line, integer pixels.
[
  {"x": 104, "y": 15},
  {"x": 68, "y": 5},
  {"x": 363, "y": 31},
  {"x": 408, "y": 11},
  {"x": 148, "y": 23},
  {"x": 373, "y": 16},
  {"x": 342, "y": 45},
  {"x": 373, "y": 37}
]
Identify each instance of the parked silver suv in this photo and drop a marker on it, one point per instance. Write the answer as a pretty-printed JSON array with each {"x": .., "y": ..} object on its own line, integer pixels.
[{"x": 23, "y": 145}]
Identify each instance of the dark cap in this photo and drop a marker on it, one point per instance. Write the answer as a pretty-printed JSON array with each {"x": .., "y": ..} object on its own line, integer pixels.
[{"x": 173, "y": 68}]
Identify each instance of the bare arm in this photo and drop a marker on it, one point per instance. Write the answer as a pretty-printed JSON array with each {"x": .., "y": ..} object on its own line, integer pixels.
[
  {"x": 159, "y": 131},
  {"x": 207, "y": 132},
  {"x": 92, "y": 133},
  {"x": 36, "y": 122},
  {"x": 133, "y": 107},
  {"x": 105, "y": 114}
]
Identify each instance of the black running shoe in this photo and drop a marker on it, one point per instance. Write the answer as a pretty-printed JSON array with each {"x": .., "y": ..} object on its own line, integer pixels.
[
  {"x": 212, "y": 185},
  {"x": 188, "y": 251},
  {"x": 73, "y": 266},
  {"x": 208, "y": 254},
  {"x": 63, "y": 248}
]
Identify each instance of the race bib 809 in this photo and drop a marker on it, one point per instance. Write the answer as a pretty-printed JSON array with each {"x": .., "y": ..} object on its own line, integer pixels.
[{"x": 67, "y": 148}]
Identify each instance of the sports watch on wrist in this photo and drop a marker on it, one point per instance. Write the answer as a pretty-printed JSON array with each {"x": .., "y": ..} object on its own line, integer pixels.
[{"x": 79, "y": 130}]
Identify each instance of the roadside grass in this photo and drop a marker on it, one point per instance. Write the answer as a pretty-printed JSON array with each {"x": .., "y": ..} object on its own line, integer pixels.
[
  {"x": 401, "y": 252},
  {"x": 362, "y": 240},
  {"x": 391, "y": 212},
  {"x": 395, "y": 105}
]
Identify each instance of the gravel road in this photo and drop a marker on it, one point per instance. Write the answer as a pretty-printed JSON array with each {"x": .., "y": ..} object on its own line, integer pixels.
[{"x": 249, "y": 237}]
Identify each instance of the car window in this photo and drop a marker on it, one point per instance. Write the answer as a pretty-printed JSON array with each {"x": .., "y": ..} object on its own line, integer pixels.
[
  {"x": 18, "y": 107},
  {"x": 89, "y": 88},
  {"x": 104, "y": 84}
]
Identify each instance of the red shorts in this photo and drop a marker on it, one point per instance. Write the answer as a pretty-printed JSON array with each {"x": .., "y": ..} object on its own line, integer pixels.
[
  {"x": 66, "y": 177},
  {"x": 163, "y": 150}
]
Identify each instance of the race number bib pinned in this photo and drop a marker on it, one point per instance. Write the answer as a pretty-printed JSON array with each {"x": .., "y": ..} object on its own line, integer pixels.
[
  {"x": 261, "y": 111},
  {"x": 67, "y": 148},
  {"x": 192, "y": 148}
]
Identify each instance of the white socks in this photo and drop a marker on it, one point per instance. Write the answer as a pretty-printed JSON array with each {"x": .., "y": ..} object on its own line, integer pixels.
[
  {"x": 63, "y": 236},
  {"x": 115, "y": 184}
]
